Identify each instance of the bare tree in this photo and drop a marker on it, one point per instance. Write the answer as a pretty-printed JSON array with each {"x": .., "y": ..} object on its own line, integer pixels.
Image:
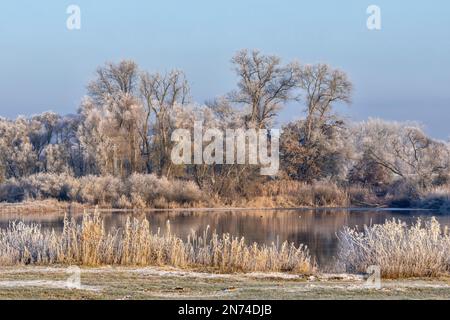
[
  {"x": 316, "y": 148},
  {"x": 325, "y": 156},
  {"x": 113, "y": 79},
  {"x": 404, "y": 150},
  {"x": 264, "y": 85},
  {"x": 161, "y": 94},
  {"x": 322, "y": 87}
]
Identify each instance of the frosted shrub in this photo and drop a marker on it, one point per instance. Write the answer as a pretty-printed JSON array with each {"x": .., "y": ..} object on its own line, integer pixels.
[
  {"x": 403, "y": 193},
  {"x": 37, "y": 187},
  {"x": 11, "y": 191},
  {"x": 326, "y": 194},
  {"x": 421, "y": 250},
  {"x": 99, "y": 190},
  {"x": 184, "y": 191},
  {"x": 138, "y": 191},
  {"x": 148, "y": 189},
  {"x": 90, "y": 244},
  {"x": 47, "y": 185},
  {"x": 437, "y": 198},
  {"x": 124, "y": 202}
]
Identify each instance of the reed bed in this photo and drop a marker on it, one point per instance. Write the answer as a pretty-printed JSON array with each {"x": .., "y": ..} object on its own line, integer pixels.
[
  {"x": 289, "y": 193},
  {"x": 89, "y": 244},
  {"x": 421, "y": 250}
]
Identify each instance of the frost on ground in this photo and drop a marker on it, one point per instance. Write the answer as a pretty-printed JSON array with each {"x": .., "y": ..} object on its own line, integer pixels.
[
  {"x": 51, "y": 284},
  {"x": 169, "y": 283}
]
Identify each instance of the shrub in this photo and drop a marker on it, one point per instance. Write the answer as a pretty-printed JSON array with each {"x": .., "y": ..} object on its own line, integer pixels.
[
  {"x": 47, "y": 185},
  {"x": 12, "y": 191},
  {"x": 184, "y": 191},
  {"x": 422, "y": 250},
  {"x": 328, "y": 194},
  {"x": 37, "y": 187},
  {"x": 145, "y": 190},
  {"x": 363, "y": 196},
  {"x": 105, "y": 190},
  {"x": 403, "y": 193},
  {"x": 138, "y": 191},
  {"x": 436, "y": 199},
  {"x": 124, "y": 203}
]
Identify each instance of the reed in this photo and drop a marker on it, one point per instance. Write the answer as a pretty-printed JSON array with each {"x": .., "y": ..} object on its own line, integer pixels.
[
  {"x": 89, "y": 244},
  {"x": 421, "y": 250},
  {"x": 299, "y": 194}
]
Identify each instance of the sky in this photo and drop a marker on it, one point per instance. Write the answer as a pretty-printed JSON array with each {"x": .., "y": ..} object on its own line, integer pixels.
[{"x": 401, "y": 72}]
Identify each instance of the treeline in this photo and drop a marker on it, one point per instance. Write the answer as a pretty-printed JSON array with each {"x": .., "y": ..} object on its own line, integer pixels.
[{"x": 123, "y": 130}]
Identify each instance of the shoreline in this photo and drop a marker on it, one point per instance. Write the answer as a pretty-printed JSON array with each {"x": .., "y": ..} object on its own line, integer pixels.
[{"x": 53, "y": 206}]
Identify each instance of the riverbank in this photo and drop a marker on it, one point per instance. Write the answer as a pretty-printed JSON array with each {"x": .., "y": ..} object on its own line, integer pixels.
[
  {"x": 55, "y": 207},
  {"x": 162, "y": 283},
  {"x": 149, "y": 191},
  {"x": 139, "y": 192},
  {"x": 51, "y": 206}
]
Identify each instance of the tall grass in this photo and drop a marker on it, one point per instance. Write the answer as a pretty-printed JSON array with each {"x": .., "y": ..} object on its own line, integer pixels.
[
  {"x": 421, "y": 250},
  {"x": 296, "y": 193},
  {"x": 90, "y": 244}
]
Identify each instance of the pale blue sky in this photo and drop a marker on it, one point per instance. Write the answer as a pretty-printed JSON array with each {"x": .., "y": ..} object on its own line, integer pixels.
[{"x": 401, "y": 72}]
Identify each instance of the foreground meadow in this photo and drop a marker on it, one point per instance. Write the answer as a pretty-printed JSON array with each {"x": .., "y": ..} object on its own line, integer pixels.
[{"x": 161, "y": 283}]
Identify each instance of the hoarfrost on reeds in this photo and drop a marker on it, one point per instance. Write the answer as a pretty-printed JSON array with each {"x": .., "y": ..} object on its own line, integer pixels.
[
  {"x": 421, "y": 250},
  {"x": 90, "y": 244}
]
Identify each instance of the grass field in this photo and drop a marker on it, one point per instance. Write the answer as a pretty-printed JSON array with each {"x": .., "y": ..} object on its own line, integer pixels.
[{"x": 156, "y": 283}]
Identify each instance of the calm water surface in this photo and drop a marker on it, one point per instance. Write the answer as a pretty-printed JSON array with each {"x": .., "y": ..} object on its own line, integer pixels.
[{"x": 315, "y": 228}]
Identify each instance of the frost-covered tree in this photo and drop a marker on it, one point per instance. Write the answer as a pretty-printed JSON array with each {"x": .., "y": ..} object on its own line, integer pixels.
[
  {"x": 124, "y": 129},
  {"x": 161, "y": 94},
  {"x": 318, "y": 147},
  {"x": 112, "y": 80},
  {"x": 404, "y": 150},
  {"x": 110, "y": 136},
  {"x": 56, "y": 159},
  {"x": 322, "y": 87},
  {"x": 264, "y": 85},
  {"x": 17, "y": 158},
  {"x": 325, "y": 155},
  {"x": 94, "y": 143},
  {"x": 42, "y": 129},
  {"x": 113, "y": 116},
  {"x": 69, "y": 143}
]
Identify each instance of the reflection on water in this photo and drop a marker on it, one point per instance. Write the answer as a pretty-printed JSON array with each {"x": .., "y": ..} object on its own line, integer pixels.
[{"x": 315, "y": 228}]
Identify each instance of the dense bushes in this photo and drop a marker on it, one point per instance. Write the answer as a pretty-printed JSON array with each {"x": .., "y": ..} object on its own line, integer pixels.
[
  {"x": 436, "y": 199},
  {"x": 137, "y": 191},
  {"x": 408, "y": 194},
  {"x": 142, "y": 191},
  {"x": 150, "y": 191},
  {"x": 146, "y": 189}
]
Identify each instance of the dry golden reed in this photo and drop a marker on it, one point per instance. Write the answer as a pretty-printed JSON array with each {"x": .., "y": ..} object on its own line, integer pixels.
[
  {"x": 90, "y": 244},
  {"x": 420, "y": 250}
]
